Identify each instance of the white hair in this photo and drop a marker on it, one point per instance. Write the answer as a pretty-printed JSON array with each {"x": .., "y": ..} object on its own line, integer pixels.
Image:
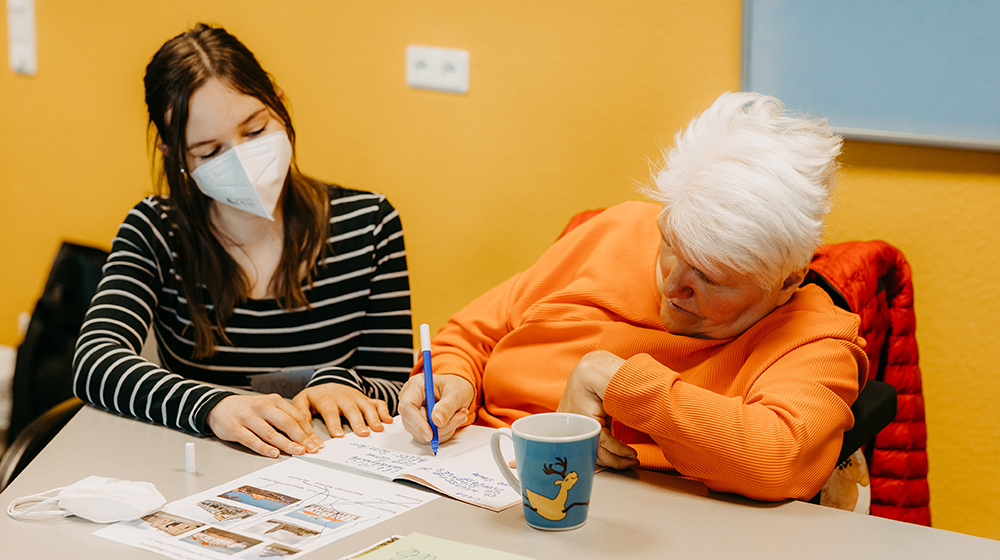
[{"x": 746, "y": 187}]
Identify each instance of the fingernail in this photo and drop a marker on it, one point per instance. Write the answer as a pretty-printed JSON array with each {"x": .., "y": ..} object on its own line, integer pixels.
[
  {"x": 274, "y": 453},
  {"x": 363, "y": 431},
  {"x": 377, "y": 427},
  {"x": 298, "y": 450}
]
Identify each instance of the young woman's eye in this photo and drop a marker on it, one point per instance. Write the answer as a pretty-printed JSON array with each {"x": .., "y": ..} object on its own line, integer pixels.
[
  {"x": 209, "y": 155},
  {"x": 256, "y": 132}
]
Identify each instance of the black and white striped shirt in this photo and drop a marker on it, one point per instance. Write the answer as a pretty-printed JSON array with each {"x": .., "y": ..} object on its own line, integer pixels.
[{"x": 356, "y": 330}]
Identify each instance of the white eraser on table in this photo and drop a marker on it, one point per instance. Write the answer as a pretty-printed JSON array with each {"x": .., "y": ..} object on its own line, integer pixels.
[
  {"x": 425, "y": 338},
  {"x": 189, "y": 457}
]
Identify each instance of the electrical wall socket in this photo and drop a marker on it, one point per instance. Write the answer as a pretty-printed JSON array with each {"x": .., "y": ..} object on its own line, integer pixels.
[
  {"x": 21, "y": 43},
  {"x": 437, "y": 69}
]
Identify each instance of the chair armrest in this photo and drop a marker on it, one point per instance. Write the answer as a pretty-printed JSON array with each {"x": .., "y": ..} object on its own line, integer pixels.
[
  {"x": 873, "y": 410},
  {"x": 34, "y": 438}
]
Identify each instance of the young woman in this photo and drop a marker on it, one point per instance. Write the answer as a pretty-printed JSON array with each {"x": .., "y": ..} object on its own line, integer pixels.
[{"x": 249, "y": 271}]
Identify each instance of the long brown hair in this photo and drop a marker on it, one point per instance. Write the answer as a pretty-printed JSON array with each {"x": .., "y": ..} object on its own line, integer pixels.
[{"x": 181, "y": 66}]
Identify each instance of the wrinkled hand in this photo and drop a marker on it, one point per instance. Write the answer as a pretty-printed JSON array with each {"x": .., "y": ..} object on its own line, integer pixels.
[
  {"x": 584, "y": 394},
  {"x": 265, "y": 424},
  {"x": 453, "y": 397},
  {"x": 614, "y": 454},
  {"x": 332, "y": 400}
]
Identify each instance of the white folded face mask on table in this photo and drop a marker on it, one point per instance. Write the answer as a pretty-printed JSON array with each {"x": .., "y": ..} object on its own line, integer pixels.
[
  {"x": 95, "y": 498},
  {"x": 250, "y": 176}
]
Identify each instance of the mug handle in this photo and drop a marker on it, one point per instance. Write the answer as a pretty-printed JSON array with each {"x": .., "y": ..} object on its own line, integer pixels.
[{"x": 498, "y": 457}]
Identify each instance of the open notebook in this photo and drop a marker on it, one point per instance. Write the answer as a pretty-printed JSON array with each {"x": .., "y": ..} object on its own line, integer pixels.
[{"x": 463, "y": 468}]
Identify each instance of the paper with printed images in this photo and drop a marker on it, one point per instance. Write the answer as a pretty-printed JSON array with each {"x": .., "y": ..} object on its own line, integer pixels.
[{"x": 285, "y": 510}]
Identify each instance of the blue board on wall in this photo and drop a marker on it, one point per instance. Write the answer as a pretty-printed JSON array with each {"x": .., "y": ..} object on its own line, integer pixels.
[{"x": 911, "y": 71}]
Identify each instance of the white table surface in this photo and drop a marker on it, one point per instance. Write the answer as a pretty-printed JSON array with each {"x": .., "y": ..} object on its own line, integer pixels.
[{"x": 633, "y": 514}]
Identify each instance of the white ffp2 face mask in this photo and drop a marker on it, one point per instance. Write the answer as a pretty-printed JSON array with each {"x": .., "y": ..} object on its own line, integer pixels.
[
  {"x": 95, "y": 498},
  {"x": 250, "y": 176}
]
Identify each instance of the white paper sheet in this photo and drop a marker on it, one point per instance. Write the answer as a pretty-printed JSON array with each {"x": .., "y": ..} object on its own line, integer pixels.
[{"x": 463, "y": 468}]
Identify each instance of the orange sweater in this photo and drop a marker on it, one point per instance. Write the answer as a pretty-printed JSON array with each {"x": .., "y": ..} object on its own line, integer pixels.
[{"x": 761, "y": 414}]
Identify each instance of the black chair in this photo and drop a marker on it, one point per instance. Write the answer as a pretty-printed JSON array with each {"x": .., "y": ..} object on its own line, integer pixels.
[
  {"x": 42, "y": 388},
  {"x": 874, "y": 408},
  {"x": 34, "y": 438}
]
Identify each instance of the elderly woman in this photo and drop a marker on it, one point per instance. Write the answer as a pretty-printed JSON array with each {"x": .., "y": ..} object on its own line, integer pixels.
[{"x": 683, "y": 327}]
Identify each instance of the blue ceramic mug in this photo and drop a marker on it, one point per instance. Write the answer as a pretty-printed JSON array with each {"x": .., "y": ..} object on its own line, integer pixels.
[{"x": 556, "y": 455}]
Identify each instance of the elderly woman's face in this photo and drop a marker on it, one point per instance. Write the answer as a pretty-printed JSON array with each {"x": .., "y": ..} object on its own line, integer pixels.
[{"x": 718, "y": 306}]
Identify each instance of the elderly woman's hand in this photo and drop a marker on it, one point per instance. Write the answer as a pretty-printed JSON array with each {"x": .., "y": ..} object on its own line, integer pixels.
[
  {"x": 584, "y": 394},
  {"x": 453, "y": 396}
]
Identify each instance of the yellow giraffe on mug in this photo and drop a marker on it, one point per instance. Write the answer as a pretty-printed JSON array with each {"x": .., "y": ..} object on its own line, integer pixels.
[{"x": 553, "y": 509}]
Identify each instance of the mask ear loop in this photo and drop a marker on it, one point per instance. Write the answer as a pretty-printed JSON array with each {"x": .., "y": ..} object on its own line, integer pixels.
[{"x": 30, "y": 514}]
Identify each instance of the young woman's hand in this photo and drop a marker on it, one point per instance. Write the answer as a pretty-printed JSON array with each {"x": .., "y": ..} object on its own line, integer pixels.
[
  {"x": 267, "y": 424},
  {"x": 453, "y": 396},
  {"x": 332, "y": 400}
]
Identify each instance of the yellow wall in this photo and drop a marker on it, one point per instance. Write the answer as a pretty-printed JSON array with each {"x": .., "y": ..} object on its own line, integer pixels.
[{"x": 568, "y": 101}]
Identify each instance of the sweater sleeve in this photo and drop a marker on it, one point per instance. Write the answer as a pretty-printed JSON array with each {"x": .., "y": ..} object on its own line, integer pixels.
[
  {"x": 778, "y": 441},
  {"x": 384, "y": 355},
  {"x": 464, "y": 344},
  {"x": 108, "y": 371}
]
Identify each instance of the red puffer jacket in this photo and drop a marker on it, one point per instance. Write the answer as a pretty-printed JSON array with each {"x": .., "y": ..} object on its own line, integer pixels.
[{"x": 875, "y": 279}]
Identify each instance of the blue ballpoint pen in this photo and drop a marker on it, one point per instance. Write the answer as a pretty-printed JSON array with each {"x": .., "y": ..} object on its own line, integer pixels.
[{"x": 425, "y": 348}]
